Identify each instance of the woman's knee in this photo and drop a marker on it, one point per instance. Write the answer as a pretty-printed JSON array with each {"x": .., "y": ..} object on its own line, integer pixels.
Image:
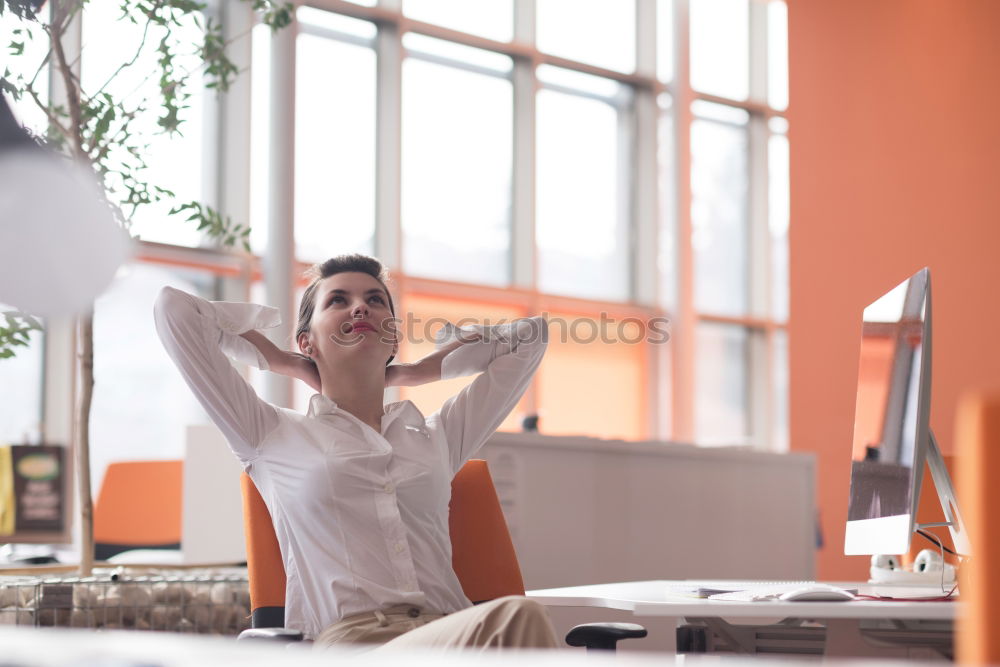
[{"x": 521, "y": 606}]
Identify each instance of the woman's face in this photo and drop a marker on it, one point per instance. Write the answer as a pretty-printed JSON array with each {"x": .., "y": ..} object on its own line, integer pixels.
[{"x": 351, "y": 320}]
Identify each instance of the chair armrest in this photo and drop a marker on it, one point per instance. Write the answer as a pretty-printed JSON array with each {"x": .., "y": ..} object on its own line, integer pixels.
[
  {"x": 284, "y": 635},
  {"x": 603, "y": 636}
]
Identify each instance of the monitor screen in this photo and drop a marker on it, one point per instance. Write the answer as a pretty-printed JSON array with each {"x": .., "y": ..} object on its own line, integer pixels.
[{"x": 890, "y": 419}]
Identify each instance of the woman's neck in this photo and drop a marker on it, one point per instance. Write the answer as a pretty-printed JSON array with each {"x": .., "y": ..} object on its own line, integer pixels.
[{"x": 358, "y": 391}]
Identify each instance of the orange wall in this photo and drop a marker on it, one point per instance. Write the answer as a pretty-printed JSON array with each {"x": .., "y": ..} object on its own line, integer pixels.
[{"x": 895, "y": 156}]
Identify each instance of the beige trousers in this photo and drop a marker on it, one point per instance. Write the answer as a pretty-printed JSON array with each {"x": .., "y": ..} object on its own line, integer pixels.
[{"x": 504, "y": 623}]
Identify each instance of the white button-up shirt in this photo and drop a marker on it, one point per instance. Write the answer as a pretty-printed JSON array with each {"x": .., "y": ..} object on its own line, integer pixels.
[{"x": 361, "y": 516}]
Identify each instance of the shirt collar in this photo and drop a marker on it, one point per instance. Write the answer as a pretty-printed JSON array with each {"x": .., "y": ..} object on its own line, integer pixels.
[
  {"x": 320, "y": 405},
  {"x": 323, "y": 405}
]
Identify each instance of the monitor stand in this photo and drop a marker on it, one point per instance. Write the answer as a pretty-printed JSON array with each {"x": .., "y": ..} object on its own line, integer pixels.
[
  {"x": 947, "y": 498},
  {"x": 880, "y": 574}
]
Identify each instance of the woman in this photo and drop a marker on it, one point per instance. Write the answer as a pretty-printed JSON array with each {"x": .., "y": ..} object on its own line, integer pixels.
[{"x": 359, "y": 491}]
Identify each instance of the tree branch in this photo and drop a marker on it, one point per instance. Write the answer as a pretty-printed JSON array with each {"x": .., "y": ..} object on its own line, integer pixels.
[
  {"x": 138, "y": 52},
  {"x": 72, "y": 91},
  {"x": 52, "y": 118}
]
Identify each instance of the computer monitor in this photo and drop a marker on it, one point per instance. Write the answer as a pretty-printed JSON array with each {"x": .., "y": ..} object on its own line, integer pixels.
[{"x": 892, "y": 435}]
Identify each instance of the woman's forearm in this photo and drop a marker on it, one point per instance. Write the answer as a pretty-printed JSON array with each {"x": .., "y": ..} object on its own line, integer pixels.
[
  {"x": 427, "y": 369},
  {"x": 277, "y": 359}
]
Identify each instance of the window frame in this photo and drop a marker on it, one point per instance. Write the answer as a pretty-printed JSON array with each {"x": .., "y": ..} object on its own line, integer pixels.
[{"x": 669, "y": 372}]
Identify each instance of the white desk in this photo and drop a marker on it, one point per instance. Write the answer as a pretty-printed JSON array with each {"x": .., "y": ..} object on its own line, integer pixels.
[{"x": 915, "y": 625}]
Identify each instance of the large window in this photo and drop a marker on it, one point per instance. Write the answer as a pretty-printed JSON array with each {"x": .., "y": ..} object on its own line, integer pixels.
[
  {"x": 21, "y": 390},
  {"x": 616, "y": 166}
]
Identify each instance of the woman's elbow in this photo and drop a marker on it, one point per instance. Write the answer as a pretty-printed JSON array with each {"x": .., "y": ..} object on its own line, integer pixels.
[
  {"x": 533, "y": 333},
  {"x": 170, "y": 302}
]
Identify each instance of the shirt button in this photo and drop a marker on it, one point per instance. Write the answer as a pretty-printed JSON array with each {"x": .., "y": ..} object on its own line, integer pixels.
[
  {"x": 399, "y": 547},
  {"x": 387, "y": 488},
  {"x": 413, "y": 612}
]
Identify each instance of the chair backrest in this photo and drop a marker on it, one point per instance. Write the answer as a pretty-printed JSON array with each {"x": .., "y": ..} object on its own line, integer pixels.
[
  {"x": 977, "y": 440},
  {"x": 483, "y": 555},
  {"x": 482, "y": 552},
  {"x": 139, "y": 505}
]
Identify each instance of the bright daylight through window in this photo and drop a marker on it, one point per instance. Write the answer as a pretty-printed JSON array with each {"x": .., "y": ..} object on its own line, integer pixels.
[{"x": 605, "y": 163}]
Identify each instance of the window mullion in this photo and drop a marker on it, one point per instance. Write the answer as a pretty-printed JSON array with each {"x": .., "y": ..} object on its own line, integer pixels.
[
  {"x": 60, "y": 343},
  {"x": 280, "y": 255},
  {"x": 758, "y": 52},
  {"x": 524, "y": 21},
  {"x": 388, "y": 145},
  {"x": 645, "y": 207},
  {"x": 523, "y": 177},
  {"x": 232, "y": 118},
  {"x": 683, "y": 330},
  {"x": 761, "y": 395}
]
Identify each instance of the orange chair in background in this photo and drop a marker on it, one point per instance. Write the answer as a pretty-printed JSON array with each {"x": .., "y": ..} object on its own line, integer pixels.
[
  {"x": 138, "y": 507},
  {"x": 977, "y": 440},
  {"x": 483, "y": 557}
]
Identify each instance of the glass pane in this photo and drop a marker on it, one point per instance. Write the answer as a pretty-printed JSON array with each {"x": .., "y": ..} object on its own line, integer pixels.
[
  {"x": 422, "y": 44},
  {"x": 456, "y": 174},
  {"x": 174, "y": 162},
  {"x": 667, "y": 256},
  {"x": 719, "y": 211},
  {"x": 21, "y": 382},
  {"x": 584, "y": 353},
  {"x": 779, "y": 392},
  {"x": 334, "y": 149},
  {"x": 582, "y": 240},
  {"x": 579, "y": 81},
  {"x": 778, "y": 218},
  {"x": 665, "y": 40},
  {"x": 129, "y": 362},
  {"x": 721, "y": 379},
  {"x": 720, "y": 112},
  {"x": 592, "y": 31},
  {"x": 720, "y": 47},
  {"x": 309, "y": 17},
  {"x": 28, "y": 38},
  {"x": 423, "y": 317},
  {"x": 489, "y": 18},
  {"x": 777, "y": 55},
  {"x": 260, "y": 149}
]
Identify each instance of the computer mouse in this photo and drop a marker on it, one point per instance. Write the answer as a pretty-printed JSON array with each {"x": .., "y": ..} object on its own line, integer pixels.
[{"x": 817, "y": 593}]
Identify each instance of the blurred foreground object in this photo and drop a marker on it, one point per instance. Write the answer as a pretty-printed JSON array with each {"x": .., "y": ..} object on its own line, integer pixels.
[
  {"x": 59, "y": 243},
  {"x": 977, "y": 438}
]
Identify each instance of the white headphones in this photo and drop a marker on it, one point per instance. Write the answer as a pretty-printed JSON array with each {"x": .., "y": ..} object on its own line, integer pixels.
[{"x": 926, "y": 569}]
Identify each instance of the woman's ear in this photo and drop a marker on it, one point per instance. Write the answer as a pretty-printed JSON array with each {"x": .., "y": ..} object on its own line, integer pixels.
[{"x": 305, "y": 344}]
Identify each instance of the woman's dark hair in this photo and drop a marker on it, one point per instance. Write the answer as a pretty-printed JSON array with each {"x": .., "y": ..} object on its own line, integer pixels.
[{"x": 355, "y": 263}]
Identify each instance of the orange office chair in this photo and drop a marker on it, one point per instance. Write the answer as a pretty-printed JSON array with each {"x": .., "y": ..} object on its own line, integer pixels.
[
  {"x": 482, "y": 554},
  {"x": 138, "y": 507}
]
